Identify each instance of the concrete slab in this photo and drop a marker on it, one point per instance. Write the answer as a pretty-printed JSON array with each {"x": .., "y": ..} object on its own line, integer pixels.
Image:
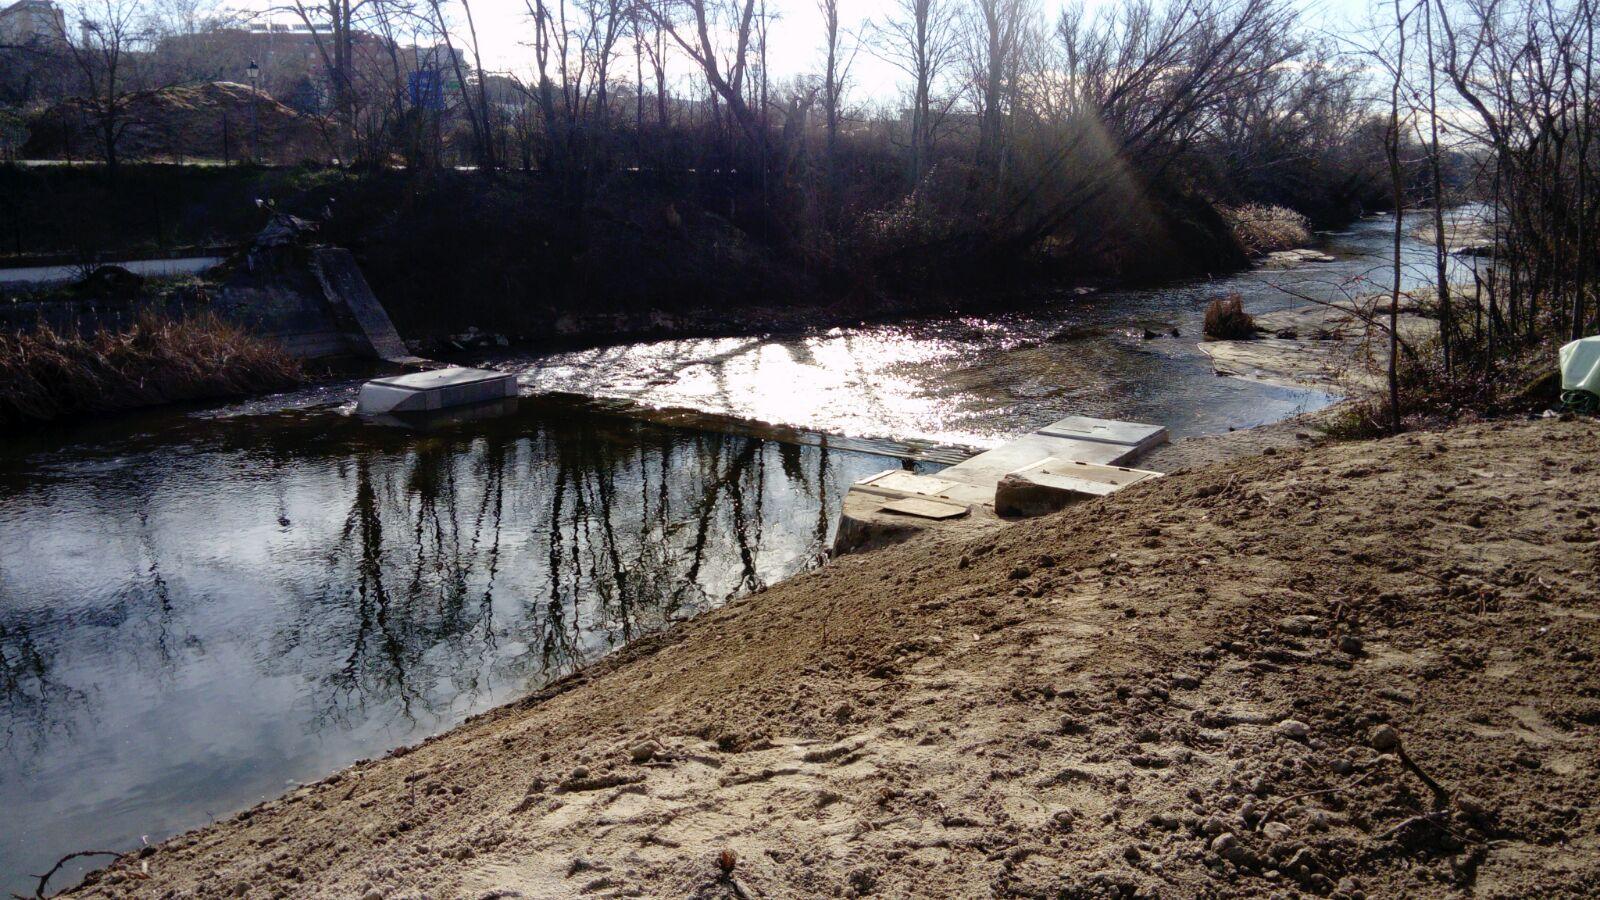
[
  {"x": 1084, "y": 428},
  {"x": 867, "y": 523},
  {"x": 990, "y": 466},
  {"x": 898, "y": 482},
  {"x": 1038, "y": 473},
  {"x": 350, "y": 296},
  {"x": 1053, "y": 484},
  {"x": 925, "y": 508},
  {"x": 435, "y": 390}
]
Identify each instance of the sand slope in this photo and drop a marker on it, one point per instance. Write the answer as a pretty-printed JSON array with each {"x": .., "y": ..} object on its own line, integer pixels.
[{"x": 1175, "y": 692}]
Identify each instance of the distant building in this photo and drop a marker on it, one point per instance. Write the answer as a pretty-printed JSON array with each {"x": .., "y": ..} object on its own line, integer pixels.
[{"x": 31, "y": 22}]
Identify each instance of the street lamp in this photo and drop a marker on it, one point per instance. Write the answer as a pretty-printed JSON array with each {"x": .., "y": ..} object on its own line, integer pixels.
[{"x": 254, "y": 71}]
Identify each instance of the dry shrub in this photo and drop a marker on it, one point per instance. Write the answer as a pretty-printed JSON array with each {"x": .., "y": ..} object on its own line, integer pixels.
[
  {"x": 1522, "y": 382},
  {"x": 45, "y": 374},
  {"x": 1262, "y": 229},
  {"x": 1226, "y": 320}
]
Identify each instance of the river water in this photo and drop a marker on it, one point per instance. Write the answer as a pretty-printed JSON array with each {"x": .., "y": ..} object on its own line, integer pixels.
[{"x": 200, "y": 608}]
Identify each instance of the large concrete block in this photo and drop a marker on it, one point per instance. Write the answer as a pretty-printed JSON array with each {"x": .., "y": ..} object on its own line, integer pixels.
[
  {"x": 1052, "y": 484},
  {"x": 438, "y": 389},
  {"x": 1084, "y": 428}
]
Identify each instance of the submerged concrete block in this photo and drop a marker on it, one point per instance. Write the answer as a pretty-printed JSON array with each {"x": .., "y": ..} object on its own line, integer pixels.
[
  {"x": 435, "y": 390},
  {"x": 1053, "y": 484}
]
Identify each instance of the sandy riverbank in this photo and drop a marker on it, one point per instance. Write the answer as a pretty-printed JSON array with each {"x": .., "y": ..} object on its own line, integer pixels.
[{"x": 1199, "y": 687}]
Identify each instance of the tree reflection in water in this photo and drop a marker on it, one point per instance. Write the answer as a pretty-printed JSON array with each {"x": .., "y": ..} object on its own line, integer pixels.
[
  {"x": 193, "y": 612},
  {"x": 615, "y": 531}
]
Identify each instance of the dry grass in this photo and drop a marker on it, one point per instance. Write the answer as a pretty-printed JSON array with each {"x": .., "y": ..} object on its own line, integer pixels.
[
  {"x": 46, "y": 374},
  {"x": 1226, "y": 320},
  {"x": 1264, "y": 229}
]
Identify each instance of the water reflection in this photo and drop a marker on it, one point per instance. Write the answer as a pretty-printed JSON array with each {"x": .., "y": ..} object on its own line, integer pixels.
[{"x": 195, "y": 616}]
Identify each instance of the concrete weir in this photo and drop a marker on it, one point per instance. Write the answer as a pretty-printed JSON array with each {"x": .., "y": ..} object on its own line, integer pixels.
[
  {"x": 1074, "y": 459},
  {"x": 427, "y": 392}
]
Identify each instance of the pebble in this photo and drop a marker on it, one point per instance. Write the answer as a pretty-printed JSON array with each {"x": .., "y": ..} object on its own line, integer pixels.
[
  {"x": 1185, "y": 682},
  {"x": 1473, "y": 807},
  {"x": 1351, "y": 644},
  {"x": 1384, "y": 737},
  {"x": 1297, "y": 625},
  {"x": 843, "y": 713},
  {"x": 1165, "y": 821},
  {"x": 1276, "y": 831},
  {"x": 644, "y": 751},
  {"x": 1294, "y": 729},
  {"x": 373, "y": 894}
]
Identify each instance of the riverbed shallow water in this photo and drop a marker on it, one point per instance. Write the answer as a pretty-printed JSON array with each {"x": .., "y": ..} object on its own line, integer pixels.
[{"x": 201, "y": 608}]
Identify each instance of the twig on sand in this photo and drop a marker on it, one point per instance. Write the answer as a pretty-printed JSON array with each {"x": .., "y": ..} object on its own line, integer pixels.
[
  {"x": 44, "y": 879},
  {"x": 1386, "y": 739},
  {"x": 1276, "y": 807}
]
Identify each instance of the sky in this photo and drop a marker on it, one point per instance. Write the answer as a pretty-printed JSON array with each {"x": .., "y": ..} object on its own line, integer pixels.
[{"x": 794, "y": 46}]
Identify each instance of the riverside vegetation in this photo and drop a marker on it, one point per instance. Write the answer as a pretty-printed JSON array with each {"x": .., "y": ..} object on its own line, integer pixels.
[{"x": 45, "y": 374}]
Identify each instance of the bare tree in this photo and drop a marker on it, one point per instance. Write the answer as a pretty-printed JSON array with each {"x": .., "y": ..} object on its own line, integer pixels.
[
  {"x": 920, "y": 38},
  {"x": 107, "y": 58},
  {"x": 718, "y": 39},
  {"x": 998, "y": 32}
]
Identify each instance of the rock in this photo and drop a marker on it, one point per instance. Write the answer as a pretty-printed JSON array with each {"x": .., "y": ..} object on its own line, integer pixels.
[
  {"x": 1385, "y": 738},
  {"x": 1064, "y": 819},
  {"x": 843, "y": 713},
  {"x": 1019, "y": 573},
  {"x": 1182, "y": 681},
  {"x": 1294, "y": 729},
  {"x": 1165, "y": 821},
  {"x": 1474, "y": 808},
  {"x": 644, "y": 751},
  {"x": 1225, "y": 845},
  {"x": 1297, "y": 625},
  {"x": 580, "y": 773},
  {"x": 1351, "y": 644},
  {"x": 111, "y": 282},
  {"x": 1214, "y": 826},
  {"x": 1276, "y": 831}
]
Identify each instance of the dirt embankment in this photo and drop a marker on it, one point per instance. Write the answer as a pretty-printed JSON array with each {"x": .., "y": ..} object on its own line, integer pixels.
[{"x": 1363, "y": 670}]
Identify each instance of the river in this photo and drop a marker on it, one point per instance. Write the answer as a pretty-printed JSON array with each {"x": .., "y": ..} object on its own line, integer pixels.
[{"x": 202, "y": 607}]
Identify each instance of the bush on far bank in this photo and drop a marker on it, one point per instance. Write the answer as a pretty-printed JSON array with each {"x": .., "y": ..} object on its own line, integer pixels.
[{"x": 47, "y": 374}]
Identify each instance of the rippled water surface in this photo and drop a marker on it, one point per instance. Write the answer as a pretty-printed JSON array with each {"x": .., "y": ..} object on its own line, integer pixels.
[
  {"x": 198, "y": 609},
  {"x": 975, "y": 380}
]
